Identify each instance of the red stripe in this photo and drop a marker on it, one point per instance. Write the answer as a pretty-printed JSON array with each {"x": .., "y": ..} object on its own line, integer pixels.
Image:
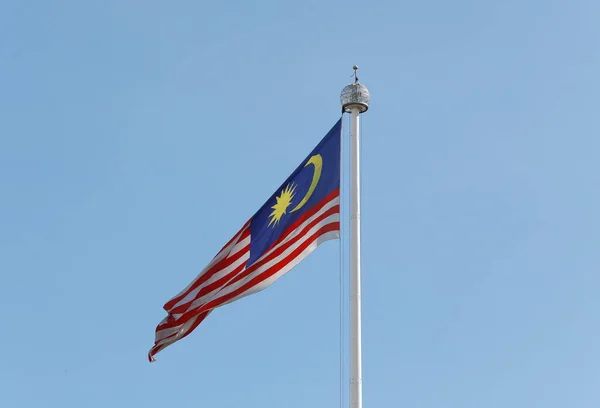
[
  {"x": 306, "y": 215},
  {"x": 222, "y": 264},
  {"x": 157, "y": 348},
  {"x": 246, "y": 225},
  {"x": 333, "y": 226},
  {"x": 207, "y": 289},
  {"x": 160, "y": 328},
  {"x": 282, "y": 248},
  {"x": 231, "y": 277},
  {"x": 177, "y": 328},
  {"x": 273, "y": 270},
  {"x": 310, "y": 212}
]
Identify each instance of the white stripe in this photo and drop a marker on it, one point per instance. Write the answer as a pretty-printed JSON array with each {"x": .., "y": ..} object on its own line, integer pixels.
[
  {"x": 242, "y": 246},
  {"x": 242, "y": 260},
  {"x": 285, "y": 269},
  {"x": 309, "y": 235},
  {"x": 301, "y": 227},
  {"x": 182, "y": 330},
  {"x": 225, "y": 289},
  {"x": 222, "y": 254},
  {"x": 161, "y": 334},
  {"x": 297, "y": 231},
  {"x": 257, "y": 288},
  {"x": 226, "y": 271}
]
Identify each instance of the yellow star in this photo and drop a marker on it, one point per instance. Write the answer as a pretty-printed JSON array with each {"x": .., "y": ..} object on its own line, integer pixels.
[{"x": 283, "y": 202}]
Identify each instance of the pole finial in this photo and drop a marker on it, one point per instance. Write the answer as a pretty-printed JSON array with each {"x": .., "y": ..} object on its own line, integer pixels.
[{"x": 355, "y": 95}]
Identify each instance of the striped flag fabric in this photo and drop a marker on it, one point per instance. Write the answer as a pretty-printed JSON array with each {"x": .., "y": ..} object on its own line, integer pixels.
[{"x": 303, "y": 213}]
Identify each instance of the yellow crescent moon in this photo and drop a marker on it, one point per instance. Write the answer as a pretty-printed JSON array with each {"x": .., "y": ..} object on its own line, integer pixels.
[{"x": 316, "y": 161}]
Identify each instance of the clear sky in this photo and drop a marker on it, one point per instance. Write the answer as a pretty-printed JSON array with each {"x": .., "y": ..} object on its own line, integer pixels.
[{"x": 137, "y": 136}]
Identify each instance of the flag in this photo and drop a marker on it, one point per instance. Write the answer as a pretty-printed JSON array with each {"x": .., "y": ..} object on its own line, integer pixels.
[{"x": 302, "y": 213}]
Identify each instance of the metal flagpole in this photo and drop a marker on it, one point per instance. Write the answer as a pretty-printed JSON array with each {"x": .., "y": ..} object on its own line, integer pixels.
[{"x": 355, "y": 100}]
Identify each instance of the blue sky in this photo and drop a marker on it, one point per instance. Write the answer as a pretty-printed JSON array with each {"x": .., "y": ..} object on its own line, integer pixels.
[{"x": 137, "y": 136}]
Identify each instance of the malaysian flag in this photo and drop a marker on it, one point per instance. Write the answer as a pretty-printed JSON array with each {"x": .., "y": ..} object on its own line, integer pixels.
[{"x": 300, "y": 215}]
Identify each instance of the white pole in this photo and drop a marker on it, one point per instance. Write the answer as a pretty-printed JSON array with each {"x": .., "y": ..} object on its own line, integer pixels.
[
  {"x": 355, "y": 99},
  {"x": 355, "y": 305}
]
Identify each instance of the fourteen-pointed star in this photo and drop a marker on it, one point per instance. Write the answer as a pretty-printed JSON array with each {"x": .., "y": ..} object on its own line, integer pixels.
[{"x": 283, "y": 202}]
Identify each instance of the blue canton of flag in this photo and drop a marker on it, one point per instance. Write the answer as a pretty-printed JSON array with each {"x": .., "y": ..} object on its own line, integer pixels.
[
  {"x": 300, "y": 215},
  {"x": 311, "y": 183}
]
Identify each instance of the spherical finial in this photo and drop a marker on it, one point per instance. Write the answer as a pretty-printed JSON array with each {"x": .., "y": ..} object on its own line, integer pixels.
[
  {"x": 355, "y": 67},
  {"x": 355, "y": 95}
]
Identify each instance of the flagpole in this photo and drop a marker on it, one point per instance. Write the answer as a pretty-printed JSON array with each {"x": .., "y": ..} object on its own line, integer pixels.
[{"x": 355, "y": 100}]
